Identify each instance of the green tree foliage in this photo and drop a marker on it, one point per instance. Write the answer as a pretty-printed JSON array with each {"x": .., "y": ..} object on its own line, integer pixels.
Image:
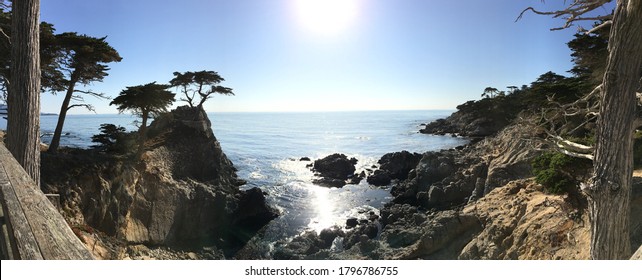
[
  {"x": 590, "y": 53},
  {"x": 111, "y": 138},
  {"x": 199, "y": 86},
  {"x": 489, "y": 92},
  {"x": 559, "y": 173},
  {"x": 83, "y": 60},
  {"x": 144, "y": 101}
]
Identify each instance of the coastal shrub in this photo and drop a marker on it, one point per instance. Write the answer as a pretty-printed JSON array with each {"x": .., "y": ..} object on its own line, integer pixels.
[
  {"x": 559, "y": 173},
  {"x": 113, "y": 139}
]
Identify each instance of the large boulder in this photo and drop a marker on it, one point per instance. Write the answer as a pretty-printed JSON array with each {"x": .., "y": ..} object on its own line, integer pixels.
[
  {"x": 335, "y": 166},
  {"x": 399, "y": 164},
  {"x": 379, "y": 178}
]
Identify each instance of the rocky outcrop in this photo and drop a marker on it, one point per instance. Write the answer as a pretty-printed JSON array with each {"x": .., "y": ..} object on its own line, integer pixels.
[
  {"x": 481, "y": 118},
  {"x": 449, "y": 178},
  {"x": 462, "y": 124},
  {"x": 183, "y": 191},
  {"x": 394, "y": 166},
  {"x": 334, "y": 170},
  {"x": 522, "y": 222}
]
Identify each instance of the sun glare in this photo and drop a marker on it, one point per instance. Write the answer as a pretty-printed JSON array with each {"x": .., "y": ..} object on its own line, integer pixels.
[{"x": 325, "y": 17}]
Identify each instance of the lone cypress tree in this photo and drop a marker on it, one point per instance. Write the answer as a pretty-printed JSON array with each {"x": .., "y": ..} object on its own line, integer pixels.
[{"x": 144, "y": 101}]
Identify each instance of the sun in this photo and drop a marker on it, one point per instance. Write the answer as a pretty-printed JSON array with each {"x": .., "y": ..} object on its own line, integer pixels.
[{"x": 325, "y": 17}]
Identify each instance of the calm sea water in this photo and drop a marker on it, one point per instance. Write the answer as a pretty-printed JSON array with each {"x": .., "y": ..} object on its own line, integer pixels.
[{"x": 266, "y": 148}]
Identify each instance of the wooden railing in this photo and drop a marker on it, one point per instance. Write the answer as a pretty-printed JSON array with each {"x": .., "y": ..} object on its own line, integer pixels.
[{"x": 32, "y": 228}]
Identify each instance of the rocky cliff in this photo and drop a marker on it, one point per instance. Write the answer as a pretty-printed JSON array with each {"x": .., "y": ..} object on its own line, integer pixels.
[{"x": 182, "y": 192}]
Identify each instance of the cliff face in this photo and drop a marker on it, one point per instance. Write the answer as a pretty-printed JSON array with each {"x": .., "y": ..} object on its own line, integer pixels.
[
  {"x": 448, "y": 178},
  {"x": 183, "y": 192}
]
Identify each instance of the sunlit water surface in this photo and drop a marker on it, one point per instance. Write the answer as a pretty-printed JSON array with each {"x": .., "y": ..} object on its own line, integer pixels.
[{"x": 266, "y": 148}]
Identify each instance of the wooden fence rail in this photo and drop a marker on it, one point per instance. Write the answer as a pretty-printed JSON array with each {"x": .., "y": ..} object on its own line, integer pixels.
[{"x": 32, "y": 228}]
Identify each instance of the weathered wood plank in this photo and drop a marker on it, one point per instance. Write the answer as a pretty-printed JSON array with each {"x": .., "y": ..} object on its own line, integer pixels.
[
  {"x": 53, "y": 236},
  {"x": 7, "y": 252},
  {"x": 24, "y": 244}
]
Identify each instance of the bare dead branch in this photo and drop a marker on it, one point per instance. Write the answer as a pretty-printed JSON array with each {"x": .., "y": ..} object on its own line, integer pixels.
[
  {"x": 556, "y": 121},
  {"x": 5, "y": 36},
  {"x": 600, "y": 26},
  {"x": 572, "y": 145},
  {"x": 576, "y": 155},
  {"x": 573, "y": 13}
]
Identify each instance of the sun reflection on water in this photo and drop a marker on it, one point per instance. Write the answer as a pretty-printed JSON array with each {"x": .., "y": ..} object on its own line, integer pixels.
[{"x": 324, "y": 208}]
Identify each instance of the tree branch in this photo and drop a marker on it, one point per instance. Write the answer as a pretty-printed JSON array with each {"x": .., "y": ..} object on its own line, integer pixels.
[
  {"x": 86, "y": 106},
  {"x": 602, "y": 25},
  {"x": 93, "y": 93},
  {"x": 5, "y": 36},
  {"x": 573, "y": 12}
]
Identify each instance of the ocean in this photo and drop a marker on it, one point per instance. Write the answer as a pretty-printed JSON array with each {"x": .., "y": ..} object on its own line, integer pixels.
[{"x": 266, "y": 148}]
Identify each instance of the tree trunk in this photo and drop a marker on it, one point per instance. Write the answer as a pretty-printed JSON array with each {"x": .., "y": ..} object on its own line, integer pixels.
[
  {"x": 23, "y": 123},
  {"x": 55, "y": 140},
  {"x": 609, "y": 193},
  {"x": 142, "y": 133}
]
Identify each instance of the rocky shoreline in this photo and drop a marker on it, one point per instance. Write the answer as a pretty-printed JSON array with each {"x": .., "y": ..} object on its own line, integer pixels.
[
  {"x": 477, "y": 201},
  {"x": 474, "y": 202}
]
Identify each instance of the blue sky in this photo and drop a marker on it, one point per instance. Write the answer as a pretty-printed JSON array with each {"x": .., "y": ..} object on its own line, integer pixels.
[{"x": 278, "y": 55}]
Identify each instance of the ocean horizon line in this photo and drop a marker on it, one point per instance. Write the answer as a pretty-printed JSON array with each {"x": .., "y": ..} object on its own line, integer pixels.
[{"x": 280, "y": 112}]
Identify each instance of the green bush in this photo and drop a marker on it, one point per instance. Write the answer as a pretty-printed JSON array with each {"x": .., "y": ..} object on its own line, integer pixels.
[
  {"x": 113, "y": 139},
  {"x": 559, "y": 173}
]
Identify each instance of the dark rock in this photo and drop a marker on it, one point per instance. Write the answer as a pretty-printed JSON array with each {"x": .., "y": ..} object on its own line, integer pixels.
[
  {"x": 373, "y": 217},
  {"x": 399, "y": 164},
  {"x": 298, "y": 248},
  {"x": 468, "y": 124},
  {"x": 336, "y": 166},
  {"x": 304, "y": 159},
  {"x": 352, "y": 222},
  {"x": 432, "y": 168},
  {"x": 356, "y": 179},
  {"x": 328, "y": 235},
  {"x": 379, "y": 178},
  {"x": 398, "y": 214},
  {"x": 253, "y": 212},
  {"x": 329, "y": 182},
  {"x": 362, "y": 233}
]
